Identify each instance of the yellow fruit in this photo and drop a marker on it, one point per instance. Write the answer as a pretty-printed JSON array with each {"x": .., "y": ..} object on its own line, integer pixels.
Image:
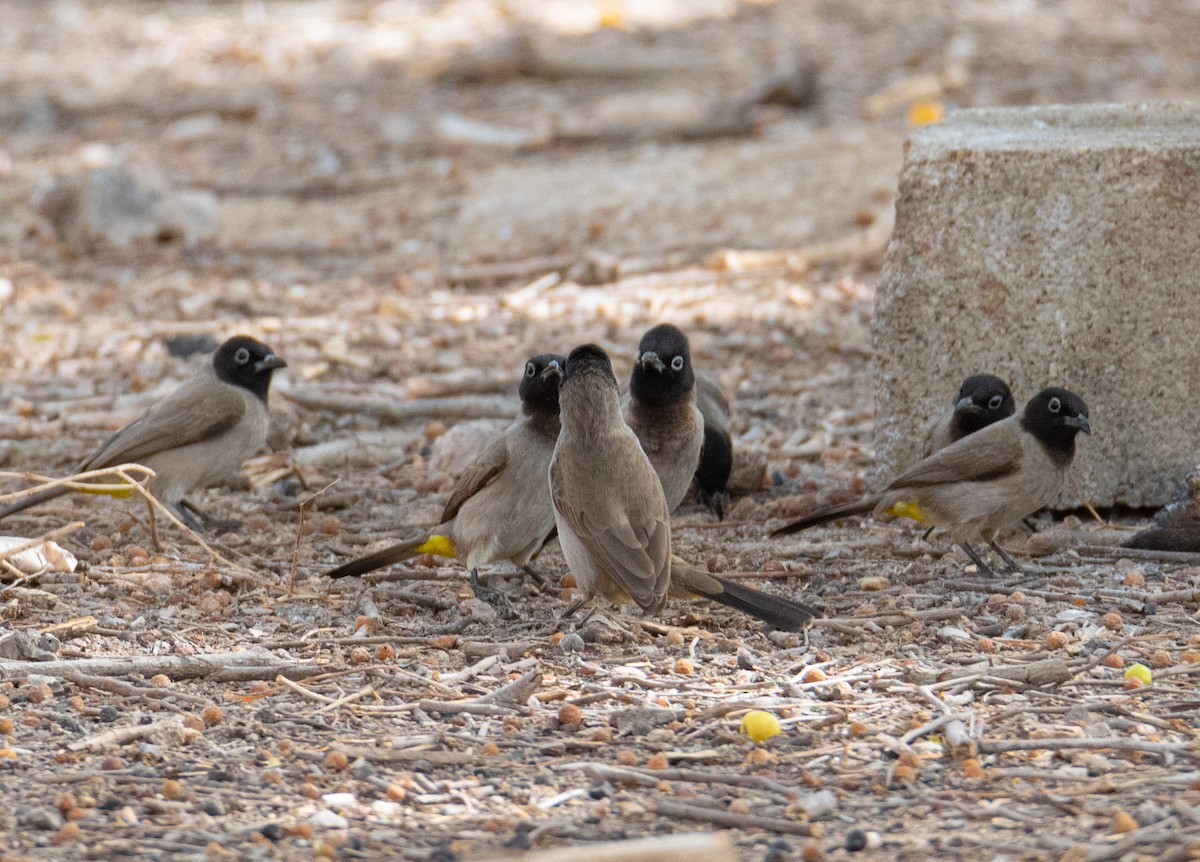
[
  {"x": 759, "y": 725},
  {"x": 1139, "y": 672}
]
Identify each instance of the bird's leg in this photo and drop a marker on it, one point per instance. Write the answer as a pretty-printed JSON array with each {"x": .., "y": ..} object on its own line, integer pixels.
[
  {"x": 493, "y": 597},
  {"x": 925, "y": 536},
  {"x": 984, "y": 568},
  {"x": 542, "y": 580},
  {"x": 217, "y": 525},
  {"x": 575, "y": 606},
  {"x": 1008, "y": 561},
  {"x": 1029, "y": 525},
  {"x": 188, "y": 518}
]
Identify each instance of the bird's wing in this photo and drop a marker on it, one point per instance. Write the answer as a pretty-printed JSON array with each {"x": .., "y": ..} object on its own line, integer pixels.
[
  {"x": 481, "y": 473},
  {"x": 200, "y": 409},
  {"x": 990, "y": 453},
  {"x": 713, "y": 404}
]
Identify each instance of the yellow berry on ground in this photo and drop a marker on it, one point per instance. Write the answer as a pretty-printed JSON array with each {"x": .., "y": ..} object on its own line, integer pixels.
[
  {"x": 1139, "y": 672},
  {"x": 760, "y": 725}
]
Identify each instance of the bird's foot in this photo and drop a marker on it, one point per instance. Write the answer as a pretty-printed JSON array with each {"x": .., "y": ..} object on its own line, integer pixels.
[
  {"x": 493, "y": 597},
  {"x": 1008, "y": 561},
  {"x": 984, "y": 568}
]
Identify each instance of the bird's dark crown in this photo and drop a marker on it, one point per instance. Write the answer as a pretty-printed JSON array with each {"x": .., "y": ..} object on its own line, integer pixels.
[
  {"x": 662, "y": 372},
  {"x": 540, "y": 381},
  {"x": 246, "y": 362},
  {"x": 1055, "y": 416},
  {"x": 588, "y": 359},
  {"x": 982, "y": 400}
]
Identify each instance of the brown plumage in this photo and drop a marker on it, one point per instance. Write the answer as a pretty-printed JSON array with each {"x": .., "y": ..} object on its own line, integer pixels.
[
  {"x": 987, "y": 481},
  {"x": 500, "y": 506},
  {"x": 200, "y": 433},
  {"x": 613, "y": 521}
]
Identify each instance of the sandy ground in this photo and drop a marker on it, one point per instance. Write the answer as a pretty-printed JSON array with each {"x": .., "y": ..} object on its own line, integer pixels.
[{"x": 409, "y": 199}]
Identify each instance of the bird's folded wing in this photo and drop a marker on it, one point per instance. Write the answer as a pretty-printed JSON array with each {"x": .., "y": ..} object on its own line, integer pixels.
[
  {"x": 635, "y": 558},
  {"x": 201, "y": 409},
  {"x": 711, "y": 400},
  {"x": 481, "y": 473},
  {"x": 990, "y": 453}
]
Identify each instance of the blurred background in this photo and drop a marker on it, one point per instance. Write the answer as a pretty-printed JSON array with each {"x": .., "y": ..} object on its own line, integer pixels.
[{"x": 407, "y": 191}]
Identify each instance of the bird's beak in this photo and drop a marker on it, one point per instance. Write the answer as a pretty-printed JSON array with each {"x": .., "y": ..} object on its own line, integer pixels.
[
  {"x": 966, "y": 405},
  {"x": 1081, "y": 422},
  {"x": 269, "y": 362},
  {"x": 552, "y": 370},
  {"x": 651, "y": 358}
]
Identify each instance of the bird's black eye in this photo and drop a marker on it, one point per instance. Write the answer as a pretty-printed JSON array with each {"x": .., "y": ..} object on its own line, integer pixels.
[
  {"x": 677, "y": 363},
  {"x": 1055, "y": 405},
  {"x": 995, "y": 401},
  {"x": 530, "y": 369},
  {"x": 242, "y": 356}
]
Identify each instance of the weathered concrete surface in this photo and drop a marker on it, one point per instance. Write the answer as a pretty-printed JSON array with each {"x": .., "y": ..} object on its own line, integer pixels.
[{"x": 1052, "y": 245}]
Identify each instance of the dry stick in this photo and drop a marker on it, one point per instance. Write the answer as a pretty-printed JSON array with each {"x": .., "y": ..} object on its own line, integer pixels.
[
  {"x": 1001, "y": 746},
  {"x": 153, "y": 527},
  {"x": 1140, "y": 554},
  {"x": 473, "y": 707},
  {"x": 77, "y": 482},
  {"x": 173, "y": 666},
  {"x": 122, "y": 735},
  {"x": 719, "y": 817},
  {"x": 650, "y": 778},
  {"x": 116, "y": 686},
  {"x": 349, "y": 698},
  {"x": 900, "y": 619},
  {"x": 154, "y": 502},
  {"x": 455, "y": 407},
  {"x": 472, "y": 671}
]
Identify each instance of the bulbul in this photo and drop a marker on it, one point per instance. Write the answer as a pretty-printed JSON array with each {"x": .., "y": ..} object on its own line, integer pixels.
[
  {"x": 199, "y": 434},
  {"x": 982, "y": 400},
  {"x": 614, "y": 524},
  {"x": 500, "y": 506},
  {"x": 986, "y": 481},
  {"x": 661, "y": 409},
  {"x": 716, "y": 455}
]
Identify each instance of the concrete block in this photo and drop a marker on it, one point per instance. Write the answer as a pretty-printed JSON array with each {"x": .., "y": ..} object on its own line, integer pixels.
[{"x": 1051, "y": 245}]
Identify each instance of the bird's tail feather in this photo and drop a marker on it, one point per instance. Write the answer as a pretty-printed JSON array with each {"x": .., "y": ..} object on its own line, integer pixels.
[
  {"x": 438, "y": 545},
  {"x": 826, "y": 515},
  {"x": 775, "y": 611},
  {"x": 33, "y": 500}
]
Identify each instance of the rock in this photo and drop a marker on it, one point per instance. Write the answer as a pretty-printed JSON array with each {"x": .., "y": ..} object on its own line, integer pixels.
[
  {"x": 19, "y": 645},
  {"x": 45, "y": 819},
  {"x": 453, "y": 452},
  {"x": 326, "y": 819},
  {"x": 119, "y": 206},
  {"x": 1062, "y": 241}
]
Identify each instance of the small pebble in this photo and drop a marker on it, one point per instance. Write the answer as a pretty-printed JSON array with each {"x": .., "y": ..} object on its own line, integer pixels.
[{"x": 326, "y": 819}]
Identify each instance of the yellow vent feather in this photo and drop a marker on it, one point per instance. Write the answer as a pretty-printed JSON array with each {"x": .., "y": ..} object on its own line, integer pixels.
[
  {"x": 904, "y": 509},
  {"x": 439, "y": 546}
]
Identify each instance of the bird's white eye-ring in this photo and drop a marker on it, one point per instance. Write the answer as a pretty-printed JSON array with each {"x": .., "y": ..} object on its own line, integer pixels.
[
  {"x": 530, "y": 369},
  {"x": 677, "y": 363},
  {"x": 1055, "y": 405},
  {"x": 242, "y": 356},
  {"x": 995, "y": 401}
]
